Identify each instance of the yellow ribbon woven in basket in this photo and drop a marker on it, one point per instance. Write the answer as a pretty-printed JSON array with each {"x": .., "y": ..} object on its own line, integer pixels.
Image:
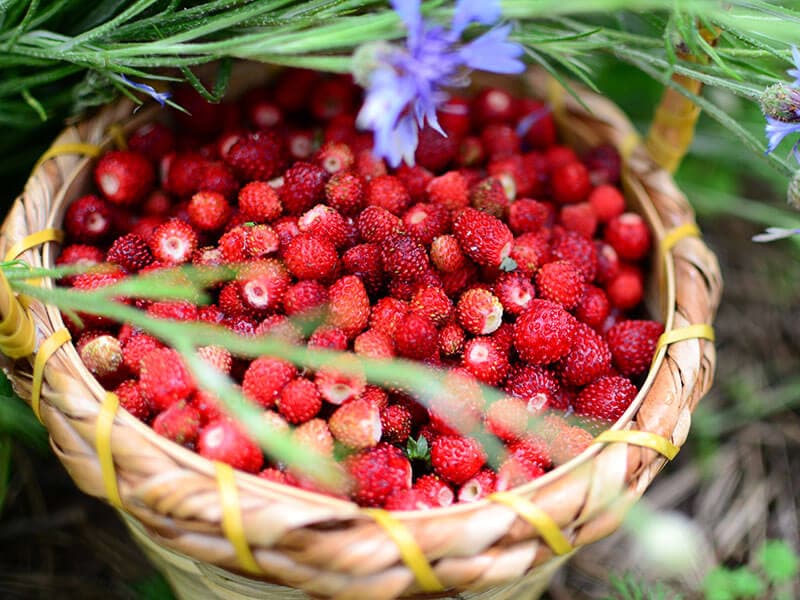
[
  {"x": 32, "y": 240},
  {"x": 549, "y": 530},
  {"x": 46, "y": 350},
  {"x": 90, "y": 150},
  {"x": 410, "y": 552},
  {"x": 103, "y": 428},
  {"x": 675, "y": 235},
  {"x": 690, "y": 332},
  {"x": 640, "y": 438},
  {"x": 117, "y": 133},
  {"x": 232, "y": 517}
]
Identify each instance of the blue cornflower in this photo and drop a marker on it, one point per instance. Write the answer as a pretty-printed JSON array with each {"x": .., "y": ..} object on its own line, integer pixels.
[
  {"x": 405, "y": 85},
  {"x": 160, "y": 97},
  {"x": 777, "y": 130},
  {"x": 775, "y": 233}
]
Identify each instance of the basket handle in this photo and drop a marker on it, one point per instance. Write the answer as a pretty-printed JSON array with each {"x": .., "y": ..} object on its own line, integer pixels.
[{"x": 672, "y": 129}]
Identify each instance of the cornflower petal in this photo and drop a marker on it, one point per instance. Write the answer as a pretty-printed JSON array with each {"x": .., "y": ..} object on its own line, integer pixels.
[
  {"x": 775, "y": 233},
  {"x": 160, "y": 97},
  {"x": 493, "y": 52},
  {"x": 777, "y": 130},
  {"x": 474, "y": 11},
  {"x": 796, "y": 71}
]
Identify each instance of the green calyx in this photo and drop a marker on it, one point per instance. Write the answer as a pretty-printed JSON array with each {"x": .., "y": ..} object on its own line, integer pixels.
[{"x": 781, "y": 102}]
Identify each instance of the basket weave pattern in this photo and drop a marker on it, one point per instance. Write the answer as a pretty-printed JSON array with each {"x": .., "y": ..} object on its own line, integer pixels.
[{"x": 332, "y": 548}]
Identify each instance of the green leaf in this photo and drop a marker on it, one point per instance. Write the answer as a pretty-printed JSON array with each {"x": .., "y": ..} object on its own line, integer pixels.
[
  {"x": 718, "y": 585},
  {"x": 418, "y": 449},
  {"x": 746, "y": 584},
  {"x": 778, "y": 561}
]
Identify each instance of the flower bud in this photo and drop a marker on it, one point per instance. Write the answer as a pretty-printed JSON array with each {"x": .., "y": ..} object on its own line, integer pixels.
[
  {"x": 781, "y": 102},
  {"x": 366, "y": 59}
]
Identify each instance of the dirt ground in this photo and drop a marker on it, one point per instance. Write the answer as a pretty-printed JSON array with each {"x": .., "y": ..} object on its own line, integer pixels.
[{"x": 737, "y": 479}]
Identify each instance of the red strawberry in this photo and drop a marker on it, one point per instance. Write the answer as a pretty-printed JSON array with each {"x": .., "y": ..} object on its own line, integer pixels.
[
  {"x": 233, "y": 244},
  {"x": 132, "y": 399},
  {"x": 484, "y": 238},
  {"x": 536, "y": 123},
  {"x": 608, "y": 263},
  {"x": 343, "y": 384},
  {"x": 173, "y": 242},
  {"x": 593, "y": 308},
  {"x": 332, "y": 97},
  {"x": 180, "y": 423},
  {"x": 403, "y": 257},
  {"x": 365, "y": 261},
  {"x": 274, "y": 475},
  {"x": 265, "y": 378},
  {"x": 436, "y": 490},
  {"x": 377, "y": 473},
  {"x": 493, "y": 105},
  {"x": 216, "y": 357},
  {"x": 479, "y": 311},
  {"x": 485, "y": 360},
  {"x": 79, "y": 255},
  {"x": 257, "y": 156},
  {"x": 607, "y": 202},
  {"x": 571, "y": 246},
  {"x": 515, "y": 292},
  {"x": 259, "y": 202},
  {"x": 544, "y": 332},
  {"x": 357, "y": 424},
  {"x": 164, "y": 379},
  {"x": 408, "y": 500},
  {"x": 299, "y": 401},
  {"x": 629, "y": 236},
  {"x": 435, "y": 151},
  {"x": 217, "y": 177},
  {"x": 456, "y": 459},
  {"x": 130, "y": 252},
  {"x": 633, "y": 344},
  {"x": 446, "y": 254},
  {"x": 451, "y": 339},
  {"x": 606, "y": 398},
  {"x": 453, "y": 115},
  {"x": 531, "y": 251},
  {"x": 388, "y": 192},
  {"x": 124, "y": 176},
  {"x": 433, "y": 303},
  {"x": 449, "y": 190},
  {"x": 527, "y": 459},
  {"x": 368, "y": 165},
  {"x": 387, "y": 314},
  {"x": 334, "y": 157},
  {"x": 88, "y": 219},
  {"x": 314, "y": 435},
  {"x": 303, "y": 297},
  {"x": 416, "y": 180},
  {"x": 507, "y": 418},
  {"x": 325, "y": 221},
  {"x": 626, "y": 290},
  {"x": 561, "y": 282},
  {"x": 135, "y": 348},
  {"x": 303, "y": 186},
  {"x": 500, "y": 140},
  {"x": 569, "y": 443},
  {"x": 262, "y": 285},
  {"x": 588, "y": 358},
  {"x": 377, "y": 224},
  {"x": 424, "y": 222},
  {"x": 374, "y": 343},
  {"x": 480, "y": 486},
  {"x": 395, "y": 423},
  {"x": 580, "y": 218},
  {"x": 329, "y": 338},
  {"x": 208, "y": 211},
  {"x": 311, "y": 257},
  {"x": 348, "y": 305},
  {"x": 260, "y": 241},
  {"x": 471, "y": 152},
  {"x": 570, "y": 183},
  {"x": 154, "y": 140},
  {"x": 490, "y": 196},
  {"x": 222, "y": 440},
  {"x": 345, "y": 192},
  {"x": 534, "y": 384},
  {"x": 517, "y": 178},
  {"x": 182, "y": 172},
  {"x": 179, "y": 310},
  {"x": 416, "y": 336},
  {"x": 604, "y": 164},
  {"x": 526, "y": 215}
]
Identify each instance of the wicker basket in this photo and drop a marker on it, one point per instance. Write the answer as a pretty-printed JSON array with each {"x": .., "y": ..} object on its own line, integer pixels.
[{"x": 216, "y": 533}]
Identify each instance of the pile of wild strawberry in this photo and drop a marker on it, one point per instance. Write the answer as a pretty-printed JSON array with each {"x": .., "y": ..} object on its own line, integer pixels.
[{"x": 501, "y": 257}]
